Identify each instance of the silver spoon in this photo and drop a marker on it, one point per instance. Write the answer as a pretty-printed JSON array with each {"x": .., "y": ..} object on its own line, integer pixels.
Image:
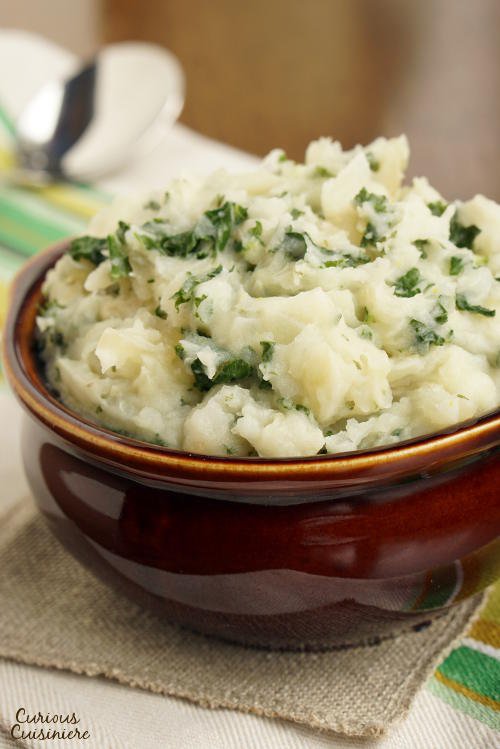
[
  {"x": 52, "y": 123},
  {"x": 112, "y": 109}
]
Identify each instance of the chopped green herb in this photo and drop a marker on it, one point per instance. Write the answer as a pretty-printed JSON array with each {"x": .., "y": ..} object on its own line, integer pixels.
[
  {"x": 437, "y": 208},
  {"x": 440, "y": 313},
  {"x": 295, "y": 213},
  {"x": 456, "y": 265},
  {"x": 152, "y": 205},
  {"x": 210, "y": 235},
  {"x": 421, "y": 245},
  {"x": 159, "y": 312},
  {"x": 282, "y": 157},
  {"x": 408, "y": 285},
  {"x": 464, "y": 306},
  {"x": 289, "y": 405},
  {"x": 379, "y": 205},
  {"x": 179, "y": 350},
  {"x": 267, "y": 350},
  {"x": 370, "y": 237},
  {"x": 120, "y": 265},
  {"x": 366, "y": 315},
  {"x": 379, "y": 202},
  {"x": 228, "y": 371},
  {"x": 185, "y": 293},
  {"x": 346, "y": 261},
  {"x": 48, "y": 306},
  {"x": 321, "y": 172},
  {"x": 294, "y": 245},
  {"x": 264, "y": 384},
  {"x": 462, "y": 236},
  {"x": 424, "y": 336},
  {"x": 372, "y": 161},
  {"x": 88, "y": 248},
  {"x": 199, "y": 299},
  {"x": 256, "y": 231},
  {"x": 159, "y": 441},
  {"x": 57, "y": 339}
]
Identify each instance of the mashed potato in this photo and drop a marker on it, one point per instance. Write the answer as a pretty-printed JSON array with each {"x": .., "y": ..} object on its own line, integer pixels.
[{"x": 295, "y": 310}]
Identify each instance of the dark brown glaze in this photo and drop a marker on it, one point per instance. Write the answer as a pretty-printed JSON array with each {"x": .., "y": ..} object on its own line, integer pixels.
[{"x": 288, "y": 553}]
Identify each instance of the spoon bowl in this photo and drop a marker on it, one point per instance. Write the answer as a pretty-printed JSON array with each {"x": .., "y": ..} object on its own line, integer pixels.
[{"x": 113, "y": 108}]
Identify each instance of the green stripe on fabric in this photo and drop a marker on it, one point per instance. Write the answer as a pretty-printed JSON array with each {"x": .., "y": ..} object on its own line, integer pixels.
[
  {"x": 33, "y": 203},
  {"x": 26, "y": 225},
  {"x": 459, "y": 702},
  {"x": 26, "y": 239},
  {"x": 6, "y": 122},
  {"x": 28, "y": 206},
  {"x": 475, "y": 670}
]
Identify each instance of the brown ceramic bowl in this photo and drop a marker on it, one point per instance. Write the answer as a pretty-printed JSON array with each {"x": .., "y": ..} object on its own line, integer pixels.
[{"x": 292, "y": 552}]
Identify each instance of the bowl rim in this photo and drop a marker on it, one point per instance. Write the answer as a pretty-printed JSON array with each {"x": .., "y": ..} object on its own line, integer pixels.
[{"x": 466, "y": 438}]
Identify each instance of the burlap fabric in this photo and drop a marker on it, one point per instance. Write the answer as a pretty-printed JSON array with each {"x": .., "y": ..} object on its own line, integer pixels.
[{"x": 53, "y": 613}]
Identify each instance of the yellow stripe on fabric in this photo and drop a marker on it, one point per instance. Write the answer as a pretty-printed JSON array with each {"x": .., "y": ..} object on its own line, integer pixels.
[
  {"x": 487, "y": 632},
  {"x": 466, "y": 692},
  {"x": 491, "y": 611},
  {"x": 72, "y": 200},
  {"x": 6, "y": 159}
]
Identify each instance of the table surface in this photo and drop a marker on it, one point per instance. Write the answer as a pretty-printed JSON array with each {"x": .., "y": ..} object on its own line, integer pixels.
[{"x": 117, "y": 716}]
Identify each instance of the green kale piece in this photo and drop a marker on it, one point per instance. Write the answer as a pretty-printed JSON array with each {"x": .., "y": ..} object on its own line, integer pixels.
[
  {"x": 294, "y": 245},
  {"x": 408, "y": 285},
  {"x": 211, "y": 233},
  {"x": 346, "y": 261},
  {"x": 425, "y": 337},
  {"x": 267, "y": 350},
  {"x": 440, "y": 313},
  {"x": 456, "y": 265},
  {"x": 372, "y": 161},
  {"x": 321, "y": 172},
  {"x": 159, "y": 312},
  {"x": 379, "y": 202},
  {"x": 186, "y": 292},
  {"x": 88, "y": 248},
  {"x": 228, "y": 371},
  {"x": 421, "y": 244},
  {"x": 437, "y": 208},
  {"x": 120, "y": 264},
  {"x": 462, "y": 236},
  {"x": 464, "y": 306}
]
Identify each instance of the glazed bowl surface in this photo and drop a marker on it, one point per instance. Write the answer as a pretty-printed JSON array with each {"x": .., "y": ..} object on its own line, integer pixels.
[{"x": 308, "y": 552}]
